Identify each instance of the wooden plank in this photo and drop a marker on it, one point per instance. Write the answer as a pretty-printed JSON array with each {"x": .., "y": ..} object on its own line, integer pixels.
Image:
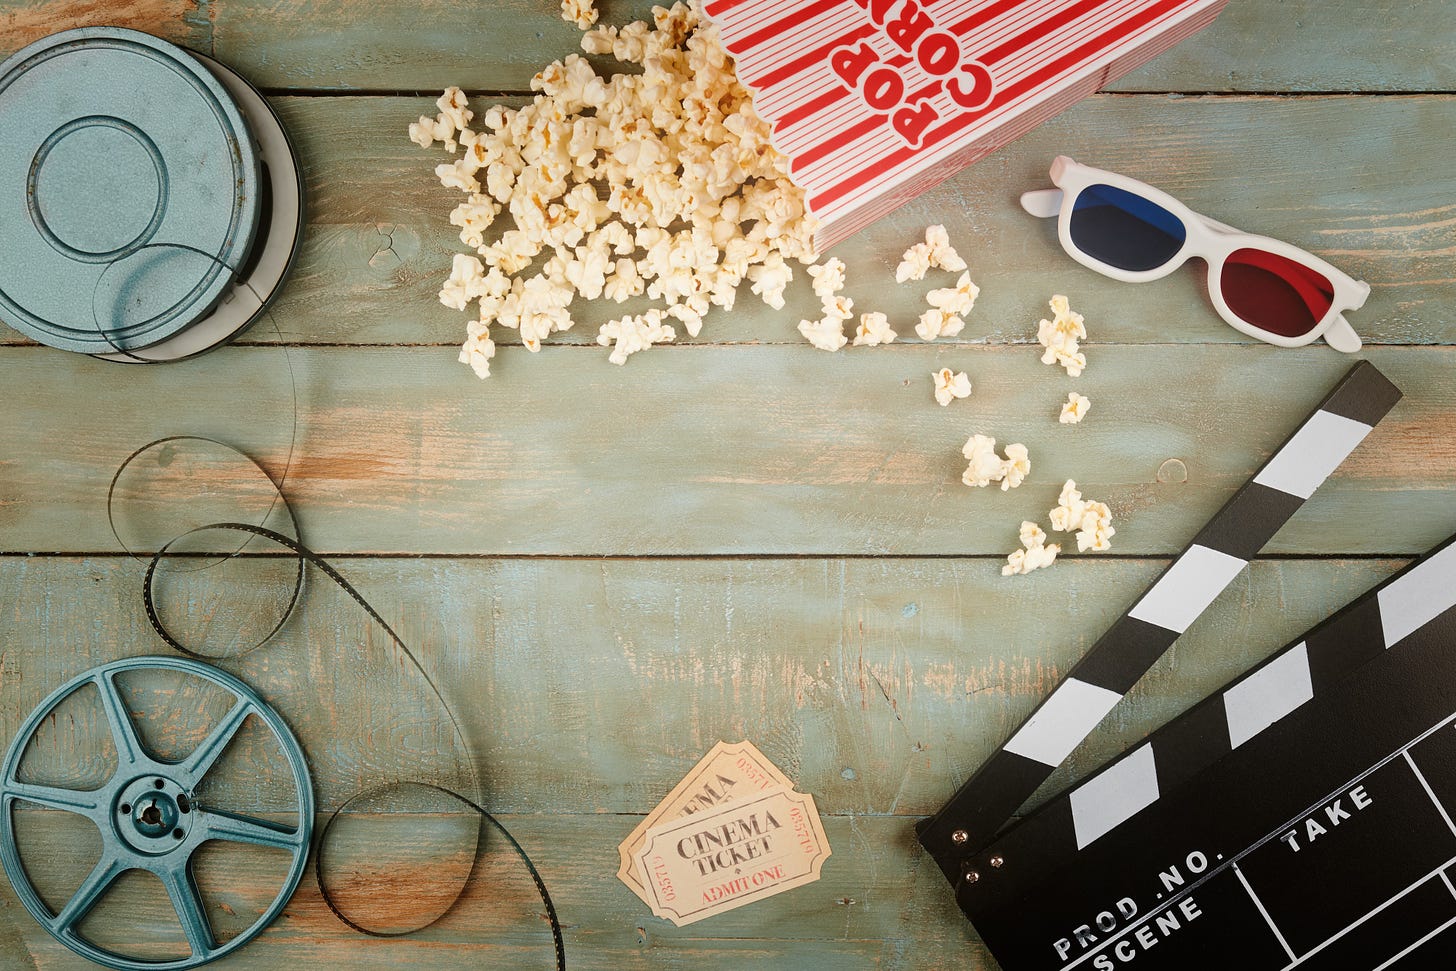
[
  {"x": 860, "y": 678},
  {"x": 1306, "y": 45},
  {"x": 185, "y": 22},
  {"x": 713, "y": 450},
  {"x": 593, "y": 686},
  {"x": 1310, "y": 45},
  {"x": 878, "y": 906},
  {"x": 379, "y": 245}
]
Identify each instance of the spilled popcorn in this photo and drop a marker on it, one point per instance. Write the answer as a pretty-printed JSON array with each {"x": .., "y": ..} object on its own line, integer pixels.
[
  {"x": 936, "y": 251},
  {"x": 958, "y": 300},
  {"x": 1075, "y": 409},
  {"x": 937, "y": 323},
  {"x": 661, "y": 183},
  {"x": 827, "y": 334},
  {"x": 478, "y": 348},
  {"x": 1034, "y": 554},
  {"x": 950, "y": 385},
  {"x": 986, "y": 466},
  {"x": 1091, "y": 521},
  {"x": 1060, "y": 337},
  {"x": 583, "y": 13},
  {"x": 874, "y": 329},
  {"x": 828, "y": 278},
  {"x": 628, "y": 335}
]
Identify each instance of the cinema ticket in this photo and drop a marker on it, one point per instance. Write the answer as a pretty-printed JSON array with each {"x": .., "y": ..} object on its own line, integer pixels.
[
  {"x": 732, "y": 854},
  {"x": 727, "y": 773}
]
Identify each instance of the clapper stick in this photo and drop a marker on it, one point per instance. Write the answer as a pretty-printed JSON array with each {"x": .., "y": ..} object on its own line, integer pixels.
[
  {"x": 1421, "y": 596},
  {"x": 1323, "y": 837},
  {"x": 1176, "y": 598}
]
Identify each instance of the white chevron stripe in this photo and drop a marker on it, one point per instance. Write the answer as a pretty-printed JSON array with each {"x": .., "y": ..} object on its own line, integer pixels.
[
  {"x": 1315, "y": 451},
  {"x": 1066, "y": 718},
  {"x": 1111, "y": 797},
  {"x": 1419, "y": 597},
  {"x": 1193, "y": 582},
  {"x": 1268, "y": 695}
]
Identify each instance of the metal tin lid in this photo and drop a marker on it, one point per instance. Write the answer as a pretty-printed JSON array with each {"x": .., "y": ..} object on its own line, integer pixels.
[
  {"x": 280, "y": 231},
  {"x": 115, "y": 145}
]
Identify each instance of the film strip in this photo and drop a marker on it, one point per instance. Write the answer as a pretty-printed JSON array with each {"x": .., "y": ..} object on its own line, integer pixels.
[
  {"x": 1302, "y": 816},
  {"x": 326, "y": 891},
  {"x": 178, "y": 783},
  {"x": 1176, "y": 598},
  {"x": 204, "y": 946}
]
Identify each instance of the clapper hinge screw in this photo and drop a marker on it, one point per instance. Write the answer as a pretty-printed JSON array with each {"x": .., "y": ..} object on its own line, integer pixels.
[
  {"x": 998, "y": 860},
  {"x": 959, "y": 836},
  {"x": 971, "y": 876}
]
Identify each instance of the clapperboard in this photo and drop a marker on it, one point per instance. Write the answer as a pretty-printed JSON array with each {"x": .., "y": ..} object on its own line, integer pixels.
[{"x": 1302, "y": 816}]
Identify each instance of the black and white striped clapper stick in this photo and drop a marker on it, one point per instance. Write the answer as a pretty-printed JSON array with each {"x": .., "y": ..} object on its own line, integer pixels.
[
  {"x": 1179, "y": 595},
  {"x": 1418, "y": 598}
]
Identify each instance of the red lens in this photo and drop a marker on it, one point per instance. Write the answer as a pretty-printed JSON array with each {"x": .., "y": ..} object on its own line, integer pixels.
[{"x": 1274, "y": 293}]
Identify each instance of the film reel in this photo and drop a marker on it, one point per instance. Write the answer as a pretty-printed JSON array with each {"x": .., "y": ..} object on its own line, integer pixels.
[
  {"x": 257, "y": 282},
  {"x": 150, "y": 818},
  {"x": 126, "y": 295},
  {"x": 196, "y": 161}
]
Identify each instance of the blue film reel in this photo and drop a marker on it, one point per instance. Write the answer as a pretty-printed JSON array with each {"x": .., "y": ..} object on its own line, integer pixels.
[{"x": 149, "y": 817}]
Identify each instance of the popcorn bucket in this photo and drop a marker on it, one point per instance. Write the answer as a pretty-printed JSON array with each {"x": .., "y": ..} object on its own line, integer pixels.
[{"x": 875, "y": 101}]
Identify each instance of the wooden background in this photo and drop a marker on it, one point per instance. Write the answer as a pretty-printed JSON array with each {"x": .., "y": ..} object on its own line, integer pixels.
[{"x": 609, "y": 569}]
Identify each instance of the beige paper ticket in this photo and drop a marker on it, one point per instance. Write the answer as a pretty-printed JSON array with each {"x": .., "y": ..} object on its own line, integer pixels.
[
  {"x": 731, "y": 855},
  {"x": 727, "y": 772}
]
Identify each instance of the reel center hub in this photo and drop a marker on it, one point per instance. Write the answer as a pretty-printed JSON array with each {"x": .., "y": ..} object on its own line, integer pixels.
[
  {"x": 128, "y": 204},
  {"x": 153, "y": 814}
]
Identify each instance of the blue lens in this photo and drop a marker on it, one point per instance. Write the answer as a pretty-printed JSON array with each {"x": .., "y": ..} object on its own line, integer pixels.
[{"x": 1124, "y": 230}]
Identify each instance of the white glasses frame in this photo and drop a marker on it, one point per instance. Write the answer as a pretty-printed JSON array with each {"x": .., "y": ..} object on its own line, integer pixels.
[{"x": 1206, "y": 239}]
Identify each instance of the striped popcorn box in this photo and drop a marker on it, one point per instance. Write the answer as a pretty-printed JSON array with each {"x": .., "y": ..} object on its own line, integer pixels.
[{"x": 875, "y": 101}]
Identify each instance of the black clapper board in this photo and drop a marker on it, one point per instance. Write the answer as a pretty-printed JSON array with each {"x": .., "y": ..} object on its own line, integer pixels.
[
  {"x": 1300, "y": 817},
  {"x": 1027, "y": 890},
  {"x": 1175, "y": 599}
]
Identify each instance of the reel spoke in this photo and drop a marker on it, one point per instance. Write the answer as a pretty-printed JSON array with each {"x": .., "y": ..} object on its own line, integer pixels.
[
  {"x": 76, "y": 801},
  {"x": 97, "y": 882},
  {"x": 197, "y": 764},
  {"x": 148, "y": 815},
  {"x": 129, "y": 749},
  {"x": 187, "y": 901},
  {"x": 234, "y": 828}
]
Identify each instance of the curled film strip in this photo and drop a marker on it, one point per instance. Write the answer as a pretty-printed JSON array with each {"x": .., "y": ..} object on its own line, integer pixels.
[
  {"x": 1097, "y": 682},
  {"x": 163, "y": 559}
]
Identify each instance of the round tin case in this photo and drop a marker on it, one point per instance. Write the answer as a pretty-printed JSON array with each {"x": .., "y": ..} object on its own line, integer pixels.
[
  {"x": 280, "y": 231},
  {"x": 117, "y": 147}
]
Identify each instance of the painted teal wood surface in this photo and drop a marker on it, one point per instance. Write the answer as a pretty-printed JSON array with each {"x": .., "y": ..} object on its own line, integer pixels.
[
  {"x": 378, "y": 245},
  {"x": 609, "y": 569},
  {"x": 723, "y": 450}
]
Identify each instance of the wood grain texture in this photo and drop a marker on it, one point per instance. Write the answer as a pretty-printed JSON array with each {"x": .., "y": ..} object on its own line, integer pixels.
[
  {"x": 609, "y": 569},
  {"x": 185, "y": 22},
  {"x": 877, "y": 686},
  {"x": 380, "y": 239},
  {"x": 879, "y": 905},
  {"x": 337, "y": 45},
  {"x": 378, "y": 244},
  {"x": 1310, "y": 45},
  {"x": 719, "y": 450},
  {"x": 592, "y": 686}
]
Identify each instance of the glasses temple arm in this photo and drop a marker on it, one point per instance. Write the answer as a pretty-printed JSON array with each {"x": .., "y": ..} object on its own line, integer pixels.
[{"x": 1042, "y": 203}]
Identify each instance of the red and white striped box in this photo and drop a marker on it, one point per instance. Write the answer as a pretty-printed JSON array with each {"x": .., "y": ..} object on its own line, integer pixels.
[{"x": 876, "y": 101}]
